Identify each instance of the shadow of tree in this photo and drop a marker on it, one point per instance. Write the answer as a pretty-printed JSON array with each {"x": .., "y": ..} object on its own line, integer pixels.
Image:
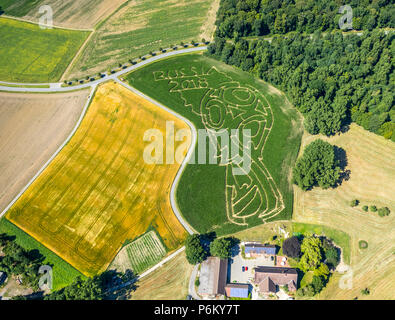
[{"x": 341, "y": 157}]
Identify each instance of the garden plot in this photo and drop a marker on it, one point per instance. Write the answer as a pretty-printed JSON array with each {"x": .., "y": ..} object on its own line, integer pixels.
[{"x": 141, "y": 254}]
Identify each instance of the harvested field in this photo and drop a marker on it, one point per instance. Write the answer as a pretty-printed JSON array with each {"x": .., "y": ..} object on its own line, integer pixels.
[
  {"x": 371, "y": 161},
  {"x": 142, "y": 26},
  {"x": 77, "y": 14},
  {"x": 140, "y": 255},
  {"x": 169, "y": 282},
  {"x": 99, "y": 192},
  {"x": 32, "y": 127}
]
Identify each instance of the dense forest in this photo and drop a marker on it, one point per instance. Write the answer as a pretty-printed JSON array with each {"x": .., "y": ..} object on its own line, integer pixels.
[
  {"x": 331, "y": 78},
  {"x": 263, "y": 17}
]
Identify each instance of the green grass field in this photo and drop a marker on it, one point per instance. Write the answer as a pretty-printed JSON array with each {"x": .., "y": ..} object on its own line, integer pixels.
[
  {"x": 213, "y": 95},
  {"x": 63, "y": 273},
  {"x": 30, "y": 54},
  {"x": 141, "y": 26},
  {"x": 340, "y": 238}
]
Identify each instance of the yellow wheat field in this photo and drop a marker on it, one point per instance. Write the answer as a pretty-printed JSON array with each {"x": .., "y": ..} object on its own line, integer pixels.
[{"x": 99, "y": 191}]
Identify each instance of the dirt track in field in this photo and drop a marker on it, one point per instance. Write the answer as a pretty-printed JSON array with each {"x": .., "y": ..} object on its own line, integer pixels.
[{"x": 32, "y": 127}]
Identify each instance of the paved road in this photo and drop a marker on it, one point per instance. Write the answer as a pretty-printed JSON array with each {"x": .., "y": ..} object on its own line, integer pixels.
[
  {"x": 57, "y": 87},
  {"x": 192, "y": 280},
  {"x": 173, "y": 201}
]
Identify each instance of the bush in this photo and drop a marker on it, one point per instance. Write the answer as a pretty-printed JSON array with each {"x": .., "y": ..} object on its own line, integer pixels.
[
  {"x": 317, "y": 284},
  {"x": 291, "y": 247},
  {"x": 197, "y": 282},
  {"x": 365, "y": 208},
  {"x": 317, "y": 166},
  {"x": 373, "y": 208},
  {"x": 365, "y": 291},
  {"x": 384, "y": 212},
  {"x": 221, "y": 248},
  {"x": 307, "y": 291},
  {"x": 332, "y": 256},
  {"x": 363, "y": 244},
  {"x": 194, "y": 250},
  {"x": 354, "y": 203}
]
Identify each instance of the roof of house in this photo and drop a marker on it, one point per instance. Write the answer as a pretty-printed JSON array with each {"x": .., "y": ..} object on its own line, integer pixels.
[
  {"x": 260, "y": 248},
  {"x": 267, "y": 285},
  {"x": 268, "y": 277},
  {"x": 237, "y": 290},
  {"x": 213, "y": 276}
]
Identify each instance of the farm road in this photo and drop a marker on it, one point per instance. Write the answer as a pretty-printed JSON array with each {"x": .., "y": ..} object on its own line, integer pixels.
[{"x": 57, "y": 87}]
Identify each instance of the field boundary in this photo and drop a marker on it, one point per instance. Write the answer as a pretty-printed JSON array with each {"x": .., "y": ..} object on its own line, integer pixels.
[
  {"x": 54, "y": 155},
  {"x": 186, "y": 160},
  {"x": 57, "y": 87},
  {"x": 54, "y": 26},
  {"x": 78, "y": 53}
]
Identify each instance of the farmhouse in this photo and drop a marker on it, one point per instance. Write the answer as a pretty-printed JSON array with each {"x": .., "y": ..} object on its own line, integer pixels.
[
  {"x": 237, "y": 290},
  {"x": 213, "y": 276},
  {"x": 254, "y": 250},
  {"x": 268, "y": 278}
]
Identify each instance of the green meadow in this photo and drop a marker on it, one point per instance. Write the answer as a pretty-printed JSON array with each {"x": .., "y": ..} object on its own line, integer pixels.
[
  {"x": 213, "y": 95},
  {"x": 31, "y": 54}
]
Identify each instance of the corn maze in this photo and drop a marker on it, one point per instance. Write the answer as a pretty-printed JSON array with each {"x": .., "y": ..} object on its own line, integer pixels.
[{"x": 223, "y": 104}]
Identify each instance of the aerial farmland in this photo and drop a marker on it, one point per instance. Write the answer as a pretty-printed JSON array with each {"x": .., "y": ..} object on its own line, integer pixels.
[{"x": 197, "y": 150}]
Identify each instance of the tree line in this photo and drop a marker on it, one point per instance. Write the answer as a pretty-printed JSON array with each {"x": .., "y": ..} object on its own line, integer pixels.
[
  {"x": 198, "y": 247},
  {"x": 331, "y": 78},
  {"x": 240, "y": 18},
  {"x": 19, "y": 262}
]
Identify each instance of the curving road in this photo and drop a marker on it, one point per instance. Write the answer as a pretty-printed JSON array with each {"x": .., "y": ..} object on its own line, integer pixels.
[
  {"x": 173, "y": 201},
  {"x": 57, "y": 87}
]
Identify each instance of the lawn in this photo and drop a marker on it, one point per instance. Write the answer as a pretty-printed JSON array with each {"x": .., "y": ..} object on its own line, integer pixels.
[
  {"x": 141, "y": 26},
  {"x": 215, "y": 96},
  {"x": 340, "y": 238},
  {"x": 31, "y": 54},
  {"x": 98, "y": 192},
  {"x": 63, "y": 273}
]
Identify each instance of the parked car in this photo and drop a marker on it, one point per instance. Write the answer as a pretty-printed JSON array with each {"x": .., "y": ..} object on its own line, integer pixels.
[
  {"x": 246, "y": 268},
  {"x": 243, "y": 269}
]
